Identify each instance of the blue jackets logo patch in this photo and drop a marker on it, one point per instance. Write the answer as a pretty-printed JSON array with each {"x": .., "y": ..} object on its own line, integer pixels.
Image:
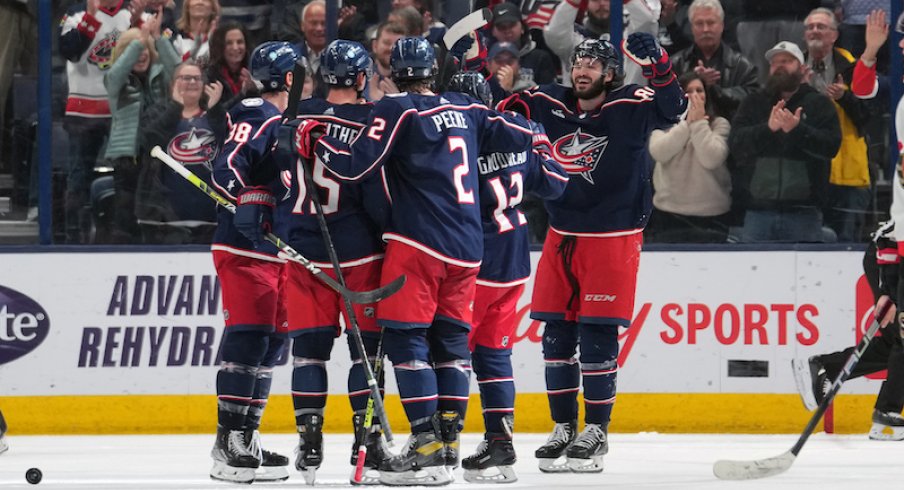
[
  {"x": 196, "y": 147},
  {"x": 579, "y": 153}
]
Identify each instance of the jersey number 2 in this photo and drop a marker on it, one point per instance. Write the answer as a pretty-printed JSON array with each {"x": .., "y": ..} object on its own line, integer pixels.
[{"x": 465, "y": 196}]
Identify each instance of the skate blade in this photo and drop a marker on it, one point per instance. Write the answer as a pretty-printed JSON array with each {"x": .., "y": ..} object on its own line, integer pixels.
[
  {"x": 880, "y": 432},
  {"x": 432, "y": 476},
  {"x": 493, "y": 474},
  {"x": 592, "y": 465},
  {"x": 223, "y": 472},
  {"x": 803, "y": 380},
  {"x": 557, "y": 465},
  {"x": 271, "y": 473}
]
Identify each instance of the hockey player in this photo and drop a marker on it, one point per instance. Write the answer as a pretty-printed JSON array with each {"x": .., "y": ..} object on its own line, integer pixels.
[
  {"x": 882, "y": 265},
  {"x": 427, "y": 145},
  {"x": 250, "y": 272},
  {"x": 313, "y": 308},
  {"x": 504, "y": 179},
  {"x": 586, "y": 278}
]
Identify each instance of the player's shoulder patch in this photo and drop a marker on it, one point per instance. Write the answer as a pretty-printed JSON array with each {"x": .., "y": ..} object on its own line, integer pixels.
[{"x": 253, "y": 102}]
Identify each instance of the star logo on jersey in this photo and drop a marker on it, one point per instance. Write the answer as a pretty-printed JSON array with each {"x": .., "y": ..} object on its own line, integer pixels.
[
  {"x": 195, "y": 147},
  {"x": 579, "y": 153}
]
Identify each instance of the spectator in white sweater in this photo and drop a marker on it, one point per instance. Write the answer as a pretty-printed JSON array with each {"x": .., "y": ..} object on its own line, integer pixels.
[{"x": 691, "y": 180}]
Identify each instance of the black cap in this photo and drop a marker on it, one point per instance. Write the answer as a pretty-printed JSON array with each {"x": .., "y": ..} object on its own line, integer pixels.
[{"x": 505, "y": 13}]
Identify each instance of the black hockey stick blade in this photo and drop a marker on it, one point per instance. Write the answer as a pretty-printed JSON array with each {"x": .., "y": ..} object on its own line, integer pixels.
[
  {"x": 763, "y": 468},
  {"x": 299, "y": 73}
]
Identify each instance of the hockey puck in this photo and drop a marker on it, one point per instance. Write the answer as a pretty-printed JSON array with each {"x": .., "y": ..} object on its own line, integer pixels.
[{"x": 33, "y": 476}]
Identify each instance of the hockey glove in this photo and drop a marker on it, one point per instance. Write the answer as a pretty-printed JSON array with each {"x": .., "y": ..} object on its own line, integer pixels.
[
  {"x": 515, "y": 104},
  {"x": 254, "y": 213},
  {"x": 643, "y": 49},
  {"x": 306, "y": 136},
  {"x": 541, "y": 141},
  {"x": 461, "y": 47}
]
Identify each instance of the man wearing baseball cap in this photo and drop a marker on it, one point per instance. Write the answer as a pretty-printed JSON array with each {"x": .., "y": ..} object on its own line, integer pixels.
[
  {"x": 783, "y": 139},
  {"x": 536, "y": 64}
]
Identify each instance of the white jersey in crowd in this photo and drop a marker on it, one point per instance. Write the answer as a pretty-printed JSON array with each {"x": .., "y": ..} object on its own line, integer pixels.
[{"x": 897, "y": 193}]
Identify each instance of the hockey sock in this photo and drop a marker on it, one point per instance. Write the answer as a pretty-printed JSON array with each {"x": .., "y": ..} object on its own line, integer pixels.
[
  {"x": 408, "y": 351},
  {"x": 358, "y": 391},
  {"x": 242, "y": 354},
  {"x": 275, "y": 348},
  {"x": 599, "y": 369},
  {"x": 563, "y": 373},
  {"x": 452, "y": 362},
  {"x": 891, "y": 394},
  {"x": 310, "y": 351},
  {"x": 493, "y": 368}
]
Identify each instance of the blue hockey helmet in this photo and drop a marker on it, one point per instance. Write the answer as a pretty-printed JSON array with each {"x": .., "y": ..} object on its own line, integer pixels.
[
  {"x": 342, "y": 61},
  {"x": 605, "y": 52},
  {"x": 473, "y": 84},
  {"x": 412, "y": 58},
  {"x": 271, "y": 61}
]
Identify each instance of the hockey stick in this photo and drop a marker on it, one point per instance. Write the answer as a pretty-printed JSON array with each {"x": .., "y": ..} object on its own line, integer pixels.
[
  {"x": 466, "y": 25},
  {"x": 349, "y": 310},
  {"x": 360, "y": 297},
  {"x": 762, "y": 468},
  {"x": 368, "y": 416}
]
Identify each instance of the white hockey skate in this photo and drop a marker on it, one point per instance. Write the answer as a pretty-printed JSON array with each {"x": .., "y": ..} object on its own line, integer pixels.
[
  {"x": 233, "y": 460},
  {"x": 887, "y": 426},
  {"x": 551, "y": 455},
  {"x": 585, "y": 455}
]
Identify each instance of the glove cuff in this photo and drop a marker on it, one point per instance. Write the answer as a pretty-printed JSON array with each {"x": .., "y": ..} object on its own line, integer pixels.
[{"x": 257, "y": 195}]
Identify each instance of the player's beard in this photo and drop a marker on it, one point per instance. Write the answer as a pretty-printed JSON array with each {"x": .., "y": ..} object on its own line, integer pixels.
[
  {"x": 783, "y": 82},
  {"x": 596, "y": 88}
]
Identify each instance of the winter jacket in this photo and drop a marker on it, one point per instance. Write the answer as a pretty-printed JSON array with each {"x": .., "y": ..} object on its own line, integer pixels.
[
  {"x": 779, "y": 170},
  {"x": 739, "y": 76},
  {"x": 130, "y": 94}
]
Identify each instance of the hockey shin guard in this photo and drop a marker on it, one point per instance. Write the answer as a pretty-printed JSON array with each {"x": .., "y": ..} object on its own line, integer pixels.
[
  {"x": 452, "y": 361},
  {"x": 563, "y": 373},
  {"x": 599, "y": 369},
  {"x": 358, "y": 391},
  {"x": 242, "y": 353},
  {"x": 310, "y": 351},
  {"x": 493, "y": 368},
  {"x": 409, "y": 353}
]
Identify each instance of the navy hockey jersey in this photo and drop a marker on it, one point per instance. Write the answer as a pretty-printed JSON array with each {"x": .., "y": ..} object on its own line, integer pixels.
[
  {"x": 354, "y": 233},
  {"x": 605, "y": 152},
  {"x": 429, "y": 146},
  {"x": 504, "y": 179},
  {"x": 247, "y": 159},
  {"x": 194, "y": 143}
]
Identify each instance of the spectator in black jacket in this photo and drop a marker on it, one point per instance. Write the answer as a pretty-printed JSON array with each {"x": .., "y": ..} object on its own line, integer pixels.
[
  {"x": 229, "y": 63},
  {"x": 783, "y": 139},
  {"x": 508, "y": 26},
  {"x": 728, "y": 76}
]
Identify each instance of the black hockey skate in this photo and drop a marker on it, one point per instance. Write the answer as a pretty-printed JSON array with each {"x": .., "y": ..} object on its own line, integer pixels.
[
  {"x": 421, "y": 462},
  {"x": 377, "y": 452},
  {"x": 273, "y": 465},
  {"x": 562, "y": 436},
  {"x": 449, "y": 427},
  {"x": 811, "y": 380},
  {"x": 492, "y": 463},
  {"x": 585, "y": 455},
  {"x": 233, "y": 458},
  {"x": 309, "y": 453},
  {"x": 887, "y": 426}
]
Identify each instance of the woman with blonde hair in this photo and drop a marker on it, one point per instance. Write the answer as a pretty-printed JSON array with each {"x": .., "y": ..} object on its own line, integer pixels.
[
  {"x": 196, "y": 24},
  {"x": 136, "y": 80},
  {"x": 691, "y": 180}
]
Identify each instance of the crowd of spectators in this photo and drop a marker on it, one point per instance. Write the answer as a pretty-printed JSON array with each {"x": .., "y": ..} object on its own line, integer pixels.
[{"x": 774, "y": 147}]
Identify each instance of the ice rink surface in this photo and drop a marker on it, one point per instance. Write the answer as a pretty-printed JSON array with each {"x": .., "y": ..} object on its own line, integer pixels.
[{"x": 660, "y": 461}]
